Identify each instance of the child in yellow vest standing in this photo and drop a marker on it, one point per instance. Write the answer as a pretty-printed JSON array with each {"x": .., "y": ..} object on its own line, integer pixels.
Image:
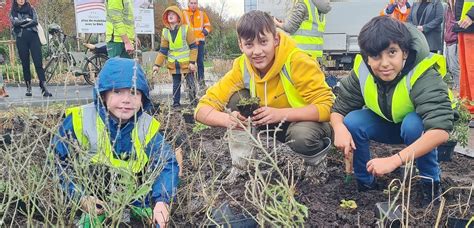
[{"x": 180, "y": 51}]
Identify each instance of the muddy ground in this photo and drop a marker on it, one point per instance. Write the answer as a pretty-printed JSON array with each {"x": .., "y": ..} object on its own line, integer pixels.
[
  {"x": 321, "y": 199},
  {"x": 207, "y": 162}
]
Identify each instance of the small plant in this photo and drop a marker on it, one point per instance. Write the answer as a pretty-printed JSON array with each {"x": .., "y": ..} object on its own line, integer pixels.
[
  {"x": 246, "y": 106},
  {"x": 198, "y": 127},
  {"x": 460, "y": 131},
  {"x": 348, "y": 204},
  {"x": 392, "y": 190}
]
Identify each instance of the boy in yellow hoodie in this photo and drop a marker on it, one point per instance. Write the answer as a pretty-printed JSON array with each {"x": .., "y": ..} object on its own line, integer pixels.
[
  {"x": 291, "y": 88},
  {"x": 180, "y": 50}
]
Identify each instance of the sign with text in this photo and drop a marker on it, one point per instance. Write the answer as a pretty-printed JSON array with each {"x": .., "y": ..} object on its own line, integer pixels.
[
  {"x": 144, "y": 17},
  {"x": 90, "y": 16}
]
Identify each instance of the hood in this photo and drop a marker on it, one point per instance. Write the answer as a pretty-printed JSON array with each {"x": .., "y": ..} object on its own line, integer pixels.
[
  {"x": 323, "y": 6},
  {"x": 118, "y": 73},
  {"x": 281, "y": 53},
  {"x": 172, "y": 9}
]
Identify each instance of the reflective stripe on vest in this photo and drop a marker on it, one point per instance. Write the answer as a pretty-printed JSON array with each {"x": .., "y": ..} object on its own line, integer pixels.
[
  {"x": 179, "y": 49},
  {"x": 468, "y": 4},
  {"x": 401, "y": 102},
  {"x": 92, "y": 136},
  {"x": 309, "y": 36},
  {"x": 294, "y": 98}
]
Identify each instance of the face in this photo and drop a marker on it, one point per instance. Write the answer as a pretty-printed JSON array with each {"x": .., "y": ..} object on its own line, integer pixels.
[
  {"x": 260, "y": 52},
  {"x": 20, "y": 2},
  {"x": 389, "y": 63},
  {"x": 172, "y": 17},
  {"x": 193, "y": 4},
  {"x": 123, "y": 103}
]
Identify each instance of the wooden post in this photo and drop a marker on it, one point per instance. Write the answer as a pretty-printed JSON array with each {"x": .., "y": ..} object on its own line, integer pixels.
[{"x": 11, "y": 50}]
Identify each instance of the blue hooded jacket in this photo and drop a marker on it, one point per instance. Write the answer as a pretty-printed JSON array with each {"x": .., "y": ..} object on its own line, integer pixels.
[{"x": 119, "y": 73}]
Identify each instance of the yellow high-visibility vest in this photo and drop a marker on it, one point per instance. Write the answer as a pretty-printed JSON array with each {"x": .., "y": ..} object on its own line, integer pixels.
[
  {"x": 179, "y": 49},
  {"x": 309, "y": 36}
]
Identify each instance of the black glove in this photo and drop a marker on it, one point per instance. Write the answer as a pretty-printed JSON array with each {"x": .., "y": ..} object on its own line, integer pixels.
[{"x": 390, "y": 8}]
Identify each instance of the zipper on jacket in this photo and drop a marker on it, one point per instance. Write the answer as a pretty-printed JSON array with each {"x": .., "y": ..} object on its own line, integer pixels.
[{"x": 384, "y": 105}]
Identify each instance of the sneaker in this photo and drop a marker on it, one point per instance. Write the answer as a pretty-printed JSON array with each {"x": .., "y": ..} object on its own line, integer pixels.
[
  {"x": 362, "y": 187},
  {"x": 176, "y": 105},
  {"x": 431, "y": 192}
]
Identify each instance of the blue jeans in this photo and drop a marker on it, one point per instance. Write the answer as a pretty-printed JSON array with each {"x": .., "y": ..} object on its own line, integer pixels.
[
  {"x": 177, "y": 88},
  {"x": 200, "y": 63},
  {"x": 364, "y": 125}
]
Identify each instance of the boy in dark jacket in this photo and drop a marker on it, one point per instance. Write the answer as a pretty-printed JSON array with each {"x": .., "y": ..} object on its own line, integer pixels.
[
  {"x": 114, "y": 133},
  {"x": 400, "y": 83}
]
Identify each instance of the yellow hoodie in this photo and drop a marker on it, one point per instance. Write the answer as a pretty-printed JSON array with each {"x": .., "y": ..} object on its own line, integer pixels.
[{"x": 307, "y": 77}]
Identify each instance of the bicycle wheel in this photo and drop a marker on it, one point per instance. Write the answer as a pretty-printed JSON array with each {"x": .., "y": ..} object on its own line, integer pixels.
[
  {"x": 92, "y": 67},
  {"x": 50, "y": 68}
]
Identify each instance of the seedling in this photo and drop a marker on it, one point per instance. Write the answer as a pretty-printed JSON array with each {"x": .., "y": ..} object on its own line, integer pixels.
[
  {"x": 198, "y": 127},
  {"x": 393, "y": 189},
  {"x": 460, "y": 132},
  {"x": 348, "y": 204},
  {"x": 246, "y": 106}
]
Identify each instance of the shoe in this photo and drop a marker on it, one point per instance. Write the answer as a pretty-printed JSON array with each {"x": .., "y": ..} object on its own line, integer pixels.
[
  {"x": 28, "y": 89},
  {"x": 431, "y": 192},
  {"x": 44, "y": 90},
  {"x": 363, "y": 187},
  {"x": 176, "y": 105}
]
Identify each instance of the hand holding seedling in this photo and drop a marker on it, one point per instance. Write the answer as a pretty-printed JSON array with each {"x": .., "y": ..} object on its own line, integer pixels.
[
  {"x": 268, "y": 115},
  {"x": 236, "y": 120}
]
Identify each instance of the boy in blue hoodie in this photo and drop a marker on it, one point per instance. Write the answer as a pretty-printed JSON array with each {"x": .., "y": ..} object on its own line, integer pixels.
[{"x": 117, "y": 134}]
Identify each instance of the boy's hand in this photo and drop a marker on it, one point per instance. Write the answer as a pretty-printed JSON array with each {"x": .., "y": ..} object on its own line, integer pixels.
[
  {"x": 420, "y": 28},
  {"x": 161, "y": 214},
  {"x": 278, "y": 23},
  {"x": 192, "y": 67},
  {"x": 343, "y": 139},
  {"x": 90, "y": 203},
  {"x": 235, "y": 118},
  {"x": 268, "y": 115},
  {"x": 381, "y": 166}
]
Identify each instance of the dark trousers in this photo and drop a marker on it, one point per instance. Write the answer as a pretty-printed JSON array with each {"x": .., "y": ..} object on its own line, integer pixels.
[
  {"x": 177, "y": 88},
  {"x": 304, "y": 137},
  {"x": 29, "y": 42},
  {"x": 200, "y": 63}
]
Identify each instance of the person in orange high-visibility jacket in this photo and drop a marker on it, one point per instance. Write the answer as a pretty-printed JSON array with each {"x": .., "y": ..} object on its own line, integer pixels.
[
  {"x": 464, "y": 15},
  {"x": 398, "y": 9},
  {"x": 199, "y": 22}
]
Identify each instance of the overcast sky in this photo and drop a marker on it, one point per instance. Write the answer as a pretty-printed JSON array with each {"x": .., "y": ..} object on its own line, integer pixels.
[{"x": 234, "y": 8}]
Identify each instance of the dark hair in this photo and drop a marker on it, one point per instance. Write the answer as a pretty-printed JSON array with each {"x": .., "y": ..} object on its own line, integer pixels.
[
  {"x": 254, "y": 24},
  {"x": 379, "y": 32},
  {"x": 26, "y": 8}
]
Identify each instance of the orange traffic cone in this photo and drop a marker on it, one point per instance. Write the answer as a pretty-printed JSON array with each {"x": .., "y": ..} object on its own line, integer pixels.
[{"x": 466, "y": 64}]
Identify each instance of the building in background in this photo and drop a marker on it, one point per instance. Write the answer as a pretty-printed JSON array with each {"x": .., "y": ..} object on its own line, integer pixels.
[{"x": 277, "y": 8}]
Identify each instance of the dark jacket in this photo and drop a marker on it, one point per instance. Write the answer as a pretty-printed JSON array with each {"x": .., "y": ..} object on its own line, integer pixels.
[
  {"x": 431, "y": 21},
  {"x": 457, "y": 12},
  {"x": 23, "y": 20},
  {"x": 429, "y": 94}
]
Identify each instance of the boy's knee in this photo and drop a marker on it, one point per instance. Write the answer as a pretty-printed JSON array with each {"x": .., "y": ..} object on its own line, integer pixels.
[
  {"x": 235, "y": 98},
  {"x": 307, "y": 137}
]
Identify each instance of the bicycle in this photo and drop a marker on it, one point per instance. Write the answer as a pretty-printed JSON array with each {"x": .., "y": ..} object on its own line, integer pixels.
[{"x": 62, "y": 59}]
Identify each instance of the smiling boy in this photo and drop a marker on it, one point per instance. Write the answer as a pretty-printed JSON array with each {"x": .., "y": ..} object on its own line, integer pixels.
[
  {"x": 290, "y": 86},
  {"x": 406, "y": 101},
  {"x": 116, "y": 133}
]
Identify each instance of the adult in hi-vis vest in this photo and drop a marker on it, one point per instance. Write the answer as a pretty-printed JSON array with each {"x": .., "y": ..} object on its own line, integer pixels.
[
  {"x": 306, "y": 24},
  {"x": 199, "y": 23},
  {"x": 120, "y": 28},
  {"x": 464, "y": 13},
  {"x": 291, "y": 89},
  {"x": 395, "y": 95}
]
